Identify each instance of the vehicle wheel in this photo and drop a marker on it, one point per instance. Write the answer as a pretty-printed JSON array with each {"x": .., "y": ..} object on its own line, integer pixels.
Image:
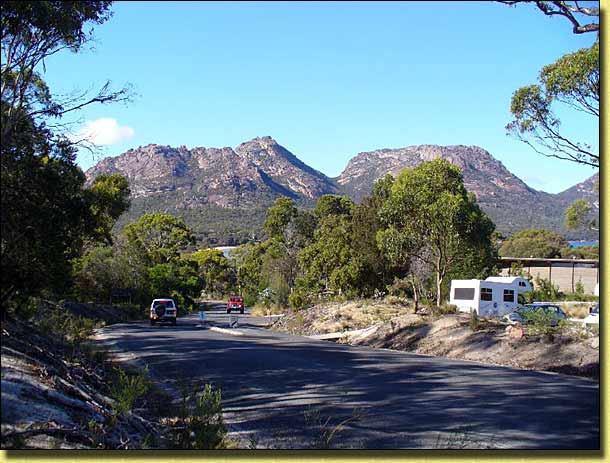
[
  {"x": 174, "y": 322},
  {"x": 152, "y": 322},
  {"x": 242, "y": 311},
  {"x": 228, "y": 311}
]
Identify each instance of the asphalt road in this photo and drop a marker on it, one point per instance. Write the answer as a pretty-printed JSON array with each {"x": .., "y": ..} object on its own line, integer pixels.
[{"x": 283, "y": 391}]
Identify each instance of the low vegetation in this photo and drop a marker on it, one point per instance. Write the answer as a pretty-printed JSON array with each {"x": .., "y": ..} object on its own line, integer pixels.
[
  {"x": 93, "y": 401},
  {"x": 565, "y": 347}
]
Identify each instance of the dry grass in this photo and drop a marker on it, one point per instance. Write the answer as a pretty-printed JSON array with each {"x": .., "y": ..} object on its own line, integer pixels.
[
  {"x": 576, "y": 309},
  {"x": 260, "y": 310}
]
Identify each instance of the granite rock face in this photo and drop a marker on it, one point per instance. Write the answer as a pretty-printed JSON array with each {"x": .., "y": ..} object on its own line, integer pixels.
[
  {"x": 510, "y": 203},
  {"x": 208, "y": 185}
]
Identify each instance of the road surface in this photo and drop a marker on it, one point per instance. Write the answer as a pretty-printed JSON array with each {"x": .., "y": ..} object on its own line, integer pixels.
[{"x": 283, "y": 391}]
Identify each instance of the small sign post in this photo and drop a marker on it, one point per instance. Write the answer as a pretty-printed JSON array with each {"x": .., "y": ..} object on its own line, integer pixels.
[
  {"x": 202, "y": 318},
  {"x": 233, "y": 321}
]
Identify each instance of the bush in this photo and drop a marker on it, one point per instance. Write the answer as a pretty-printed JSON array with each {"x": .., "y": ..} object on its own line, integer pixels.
[
  {"x": 200, "y": 426},
  {"x": 544, "y": 290},
  {"x": 299, "y": 299},
  {"x": 540, "y": 322},
  {"x": 474, "y": 322},
  {"x": 444, "y": 309},
  {"x": 399, "y": 287},
  {"x": 127, "y": 388}
]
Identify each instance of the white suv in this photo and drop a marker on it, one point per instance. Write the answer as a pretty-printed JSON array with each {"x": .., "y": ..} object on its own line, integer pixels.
[{"x": 163, "y": 310}]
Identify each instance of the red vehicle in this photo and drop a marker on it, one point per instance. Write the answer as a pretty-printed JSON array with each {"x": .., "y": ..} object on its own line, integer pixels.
[{"x": 235, "y": 303}]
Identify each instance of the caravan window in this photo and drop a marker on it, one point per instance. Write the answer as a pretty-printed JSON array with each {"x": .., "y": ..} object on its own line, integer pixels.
[
  {"x": 509, "y": 295},
  {"x": 522, "y": 283},
  {"x": 463, "y": 294},
  {"x": 486, "y": 294}
]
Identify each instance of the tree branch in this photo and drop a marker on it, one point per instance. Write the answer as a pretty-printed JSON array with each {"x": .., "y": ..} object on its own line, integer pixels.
[{"x": 562, "y": 8}]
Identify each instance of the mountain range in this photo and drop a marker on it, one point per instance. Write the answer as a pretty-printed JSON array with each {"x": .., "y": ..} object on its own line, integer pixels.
[{"x": 223, "y": 193}]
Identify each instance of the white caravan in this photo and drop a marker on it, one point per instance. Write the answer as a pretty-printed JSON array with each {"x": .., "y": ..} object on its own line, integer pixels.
[{"x": 493, "y": 297}]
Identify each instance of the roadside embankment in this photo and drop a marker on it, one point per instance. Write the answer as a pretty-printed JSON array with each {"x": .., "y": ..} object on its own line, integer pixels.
[
  {"x": 59, "y": 392},
  {"x": 569, "y": 350}
]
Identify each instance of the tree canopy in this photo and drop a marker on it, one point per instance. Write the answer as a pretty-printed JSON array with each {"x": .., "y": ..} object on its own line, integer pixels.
[
  {"x": 572, "y": 80},
  {"x": 533, "y": 243},
  {"x": 430, "y": 216},
  {"x": 47, "y": 213},
  {"x": 159, "y": 237}
]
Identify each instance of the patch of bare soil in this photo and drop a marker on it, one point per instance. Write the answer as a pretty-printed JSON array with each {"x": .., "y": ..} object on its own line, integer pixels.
[{"x": 569, "y": 352}]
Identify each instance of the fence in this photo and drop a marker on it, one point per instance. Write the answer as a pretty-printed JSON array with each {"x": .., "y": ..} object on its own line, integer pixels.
[{"x": 565, "y": 273}]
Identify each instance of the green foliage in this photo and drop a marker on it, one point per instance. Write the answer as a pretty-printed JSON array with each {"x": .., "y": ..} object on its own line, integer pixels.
[
  {"x": 580, "y": 252},
  {"x": 579, "y": 290},
  {"x": 474, "y": 321},
  {"x": 279, "y": 216},
  {"x": 44, "y": 215},
  {"x": 109, "y": 198},
  {"x": 445, "y": 309},
  {"x": 249, "y": 262},
  {"x": 430, "y": 217},
  {"x": 533, "y": 243},
  {"x": 95, "y": 273},
  {"x": 376, "y": 268},
  {"x": 330, "y": 262},
  {"x": 47, "y": 214},
  {"x": 577, "y": 216},
  {"x": 572, "y": 80},
  {"x": 299, "y": 299},
  {"x": 218, "y": 276},
  {"x": 134, "y": 264},
  {"x": 542, "y": 322},
  {"x": 159, "y": 237},
  {"x": 127, "y": 388},
  {"x": 543, "y": 290},
  {"x": 333, "y": 205},
  {"x": 200, "y": 426}
]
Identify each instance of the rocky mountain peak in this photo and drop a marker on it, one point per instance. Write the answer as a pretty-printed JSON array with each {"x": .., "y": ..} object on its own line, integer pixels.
[{"x": 210, "y": 184}]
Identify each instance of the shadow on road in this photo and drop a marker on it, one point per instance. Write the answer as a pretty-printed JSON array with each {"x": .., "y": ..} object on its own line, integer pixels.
[{"x": 270, "y": 382}]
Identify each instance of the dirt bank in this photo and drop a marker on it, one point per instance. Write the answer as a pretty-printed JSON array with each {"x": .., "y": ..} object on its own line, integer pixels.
[{"x": 390, "y": 326}]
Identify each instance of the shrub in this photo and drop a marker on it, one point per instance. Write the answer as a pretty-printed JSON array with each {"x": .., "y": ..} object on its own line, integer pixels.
[
  {"x": 326, "y": 432},
  {"x": 474, "y": 321},
  {"x": 200, "y": 426},
  {"x": 540, "y": 322},
  {"x": 544, "y": 290},
  {"x": 127, "y": 388},
  {"x": 299, "y": 299},
  {"x": 266, "y": 297}
]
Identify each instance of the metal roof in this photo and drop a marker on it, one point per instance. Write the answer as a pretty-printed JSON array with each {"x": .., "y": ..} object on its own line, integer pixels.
[{"x": 542, "y": 259}]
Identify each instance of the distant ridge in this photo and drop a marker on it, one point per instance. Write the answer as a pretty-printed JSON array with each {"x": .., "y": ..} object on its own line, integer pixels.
[{"x": 223, "y": 192}]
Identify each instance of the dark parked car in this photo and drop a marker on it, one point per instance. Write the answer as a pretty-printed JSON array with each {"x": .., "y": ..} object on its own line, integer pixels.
[{"x": 520, "y": 315}]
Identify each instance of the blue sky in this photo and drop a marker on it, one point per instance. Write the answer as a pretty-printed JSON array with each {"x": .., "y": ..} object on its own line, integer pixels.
[{"x": 326, "y": 80}]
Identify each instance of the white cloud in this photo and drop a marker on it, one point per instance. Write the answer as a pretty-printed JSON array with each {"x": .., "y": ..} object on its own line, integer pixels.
[{"x": 105, "y": 131}]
